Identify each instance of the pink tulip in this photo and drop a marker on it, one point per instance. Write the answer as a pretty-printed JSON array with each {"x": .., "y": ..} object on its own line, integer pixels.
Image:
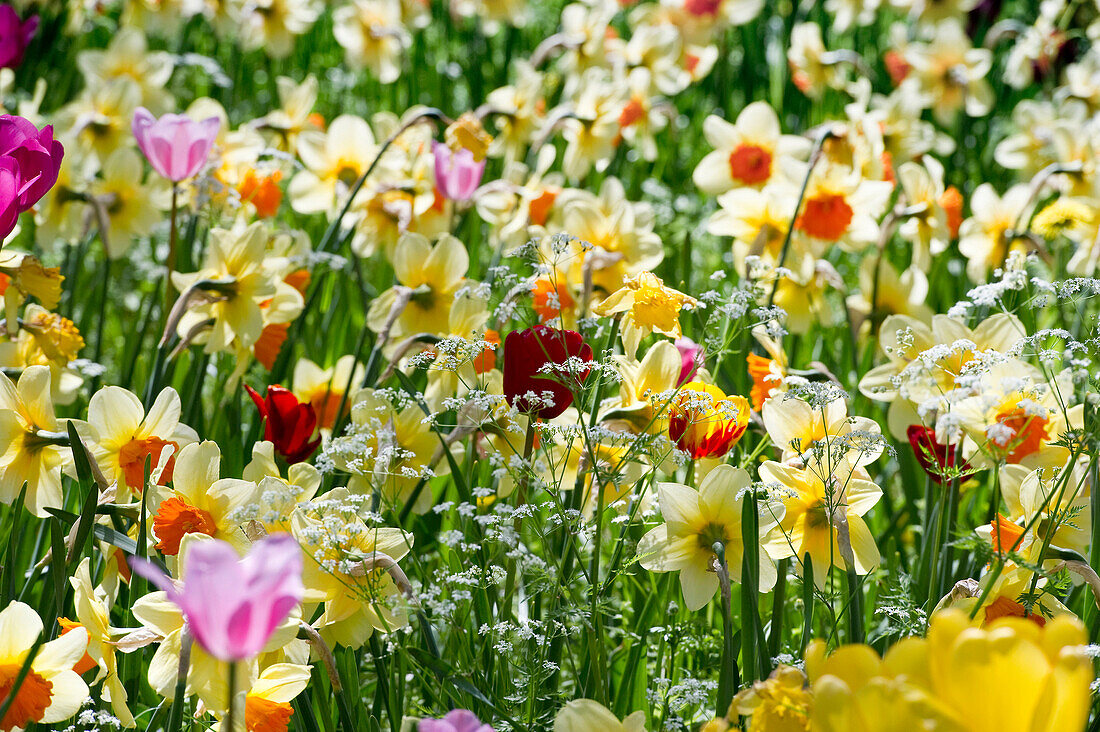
[
  {"x": 457, "y": 174},
  {"x": 15, "y": 34},
  {"x": 175, "y": 145},
  {"x": 456, "y": 720},
  {"x": 691, "y": 354},
  {"x": 233, "y": 605},
  {"x": 36, "y": 154}
]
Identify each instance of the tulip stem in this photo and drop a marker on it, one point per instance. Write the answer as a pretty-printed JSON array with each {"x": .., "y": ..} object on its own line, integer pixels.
[
  {"x": 231, "y": 681},
  {"x": 171, "y": 263}
]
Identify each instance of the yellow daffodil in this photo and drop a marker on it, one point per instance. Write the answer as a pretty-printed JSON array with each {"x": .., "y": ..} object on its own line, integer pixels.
[
  {"x": 780, "y": 703},
  {"x": 795, "y": 427},
  {"x": 695, "y": 521},
  {"x": 905, "y": 380},
  {"x": 346, "y": 563},
  {"x": 646, "y": 390},
  {"x": 387, "y": 449},
  {"x": 333, "y": 159},
  {"x": 648, "y": 306},
  {"x": 202, "y": 503},
  {"x": 373, "y": 36},
  {"x": 1019, "y": 417},
  {"x": 51, "y": 690},
  {"x": 278, "y": 495},
  {"x": 93, "y": 613},
  {"x": 1012, "y": 676},
  {"x": 35, "y": 448},
  {"x": 123, "y": 435},
  {"x": 430, "y": 276},
  {"x": 324, "y": 389},
  {"x": 128, "y": 56},
  {"x": 746, "y": 153},
  {"x": 986, "y": 238},
  {"x": 244, "y": 289},
  {"x": 267, "y": 701},
  {"x": 132, "y": 204},
  {"x": 818, "y": 510},
  {"x": 585, "y": 715}
]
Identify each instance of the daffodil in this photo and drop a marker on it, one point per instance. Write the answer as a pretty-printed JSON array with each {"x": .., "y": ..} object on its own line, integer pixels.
[
  {"x": 820, "y": 510},
  {"x": 240, "y": 289},
  {"x": 695, "y": 522},
  {"x": 619, "y": 232},
  {"x": 1018, "y": 416},
  {"x": 373, "y": 36},
  {"x": 780, "y": 703},
  {"x": 123, "y": 435},
  {"x": 333, "y": 160},
  {"x": 647, "y": 389},
  {"x": 648, "y": 306},
  {"x": 591, "y": 131},
  {"x": 987, "y": 237},
  {"x": 747, "y": 152},
  {"x": 93, "y": 611},
  {"x": 51, "y": 691},
  {"x": 128, "y": 56},
  {"x": 1011, "y": 676},
  {"x": 586, "y": 715},
  {"x": 949, "y": 73},
  {"x": 840, "y": 205},
  {"x": 324, "y": 389},
  {"x": 796, "y": 427},
  {"x": 35, "y": 448},
  {"x": 387, "y": 449},
  {"x": 202, "y": 503},
  {"x": 346, "y": 568},
  {"x": 428, "y": 277},
  {"x": 278, "y": 495},
  {"x": 130, "y": 203},
  {"x": 907, "y": 378},
  {"x": 267, "y": 700}
]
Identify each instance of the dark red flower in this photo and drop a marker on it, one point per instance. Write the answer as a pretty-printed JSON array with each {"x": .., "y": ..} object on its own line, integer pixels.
[
  {"x": 527, "y": 353},
  {"x": 288, "y": 423},
  {"x": 936, "y": 459}
]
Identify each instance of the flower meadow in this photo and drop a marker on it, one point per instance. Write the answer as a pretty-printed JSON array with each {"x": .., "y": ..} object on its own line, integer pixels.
[{"x": 585, "y": 366}]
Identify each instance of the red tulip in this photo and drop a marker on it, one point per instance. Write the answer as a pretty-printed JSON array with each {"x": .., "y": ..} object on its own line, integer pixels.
[
  {"x": 923, "y": 441},
  {"x": 533, "y": 361},
  {"x": 288, "y": 423}
]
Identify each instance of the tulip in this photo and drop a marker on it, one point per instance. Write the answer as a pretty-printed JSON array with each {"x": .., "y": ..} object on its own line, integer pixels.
[
  {"x": 289, "y": 423},
  {"x": 456, "y": 720},
  {"x": 937, "y": 460},
  {"x": 457, "y": 174},
  {"x": 534, "y": 363},
  {"x": 9, "y": 196},
  {"x": 704, "y": 422},
  {"x": 233, "y": 605},
  {"x": 175, "y": 145},
  {"x": 691, "y": 359},
  {"x": 15, "y": 34},
  {"x": 36, "y": 154}
]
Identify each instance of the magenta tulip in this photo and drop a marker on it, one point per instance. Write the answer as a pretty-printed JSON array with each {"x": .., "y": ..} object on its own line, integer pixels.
[
  {"x": 175, "y": 145},
  {"x": 233, "y": 605},
  {"x": 457, "y": 174},
  {"x": 36, "y": 153},
  {"x": 9, "y": 196},
  {"x": 15, "y": 34},
  {"x": 456, "y": 720}
]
